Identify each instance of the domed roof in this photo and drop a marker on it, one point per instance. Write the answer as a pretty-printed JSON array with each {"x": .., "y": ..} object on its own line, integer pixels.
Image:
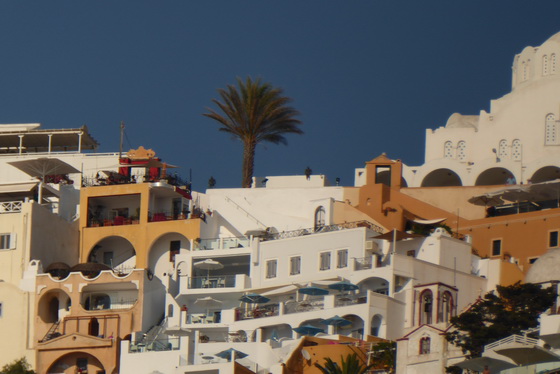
[
  {"x": 457, "y": 120},
  {"x": 554, "y": 38},
  {"x": 545, "y": 268}
]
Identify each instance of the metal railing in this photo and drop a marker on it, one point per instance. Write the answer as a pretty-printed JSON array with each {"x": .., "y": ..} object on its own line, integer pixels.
[
  {"x": 363, "y": 263},
  {"x": 512, "y": 339},
  {"x": 10, "y": 207},
  {"x": 268, "y": 310},
  {"x": 223, "y": 281},
  {"x": 249, "y": 215},
  {"x": 167, "y": 216},
  {"x": 158, "y": 345},
  {"x": 118, "y": 305},
  {"x": 323, "y": 229}
]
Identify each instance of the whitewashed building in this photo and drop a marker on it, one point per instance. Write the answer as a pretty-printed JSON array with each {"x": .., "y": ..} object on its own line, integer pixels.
[
  {"x": 284, "y": 244},
  {"x": 518, "y": 140}
]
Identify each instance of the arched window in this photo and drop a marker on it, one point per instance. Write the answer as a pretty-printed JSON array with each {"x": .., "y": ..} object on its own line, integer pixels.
[
  {"x": 503, "y": 149},
  {"x": 516, "y": 151},
  {"x": 425, "y": 345},
  {"x": 544, "y": 65},
  {"x": 426, "y": 307},
  {"x": 553, "y": 63},
  {"x": 446, "y": 306},
  {"x": 462, "y": 150},
  {"x": 320, "y": 215},
  {"x": 170, "y": 310},
  {"x": 448, "y": 150},
  {"x": 550, "y": 132}
]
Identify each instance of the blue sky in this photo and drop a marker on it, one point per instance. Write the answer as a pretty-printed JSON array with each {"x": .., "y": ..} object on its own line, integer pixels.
[{"x": 367, "y": 76}]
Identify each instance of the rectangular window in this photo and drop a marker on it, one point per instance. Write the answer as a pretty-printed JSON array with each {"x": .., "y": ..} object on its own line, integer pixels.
[
  {"x": 342, "y": 258},
  {"x": 174, "y": 249},
  {"x": 295, "y": 265},
  {"x": 496, "y": 247},
  {"x": 271, "y": 267},
  {"x": 7, "y": 241},
  {"x": 325, "y": 261},
  {"x": 553, "y": 239},
  {"x": 1, "y": 310}
]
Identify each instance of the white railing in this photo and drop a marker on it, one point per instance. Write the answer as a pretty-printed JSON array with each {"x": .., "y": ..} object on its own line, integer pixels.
[
  {"x": 10, "y": 207},
  {"x": 512, "y": 339}
]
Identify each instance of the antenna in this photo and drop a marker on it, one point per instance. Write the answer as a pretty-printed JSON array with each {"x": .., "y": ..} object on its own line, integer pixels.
[{"x": 121, "y": 141}]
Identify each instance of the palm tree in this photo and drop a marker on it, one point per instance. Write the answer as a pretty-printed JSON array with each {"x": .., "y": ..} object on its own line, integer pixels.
[
  {"x": 349, "y": 365},
  {"x": 254, "y": 112}
]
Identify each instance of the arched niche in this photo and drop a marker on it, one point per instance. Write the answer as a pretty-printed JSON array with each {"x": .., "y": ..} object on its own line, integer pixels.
[
  {"x": 441, "y": 178},
  {"x": 76, "y": 362},
  {"x": 494, "y": 176},
  {"x": 375, "y": 284},
  {"x": 376, "y": 322},
  {"x": 53, "y": 306},
  {"x": 544, "y": 174},
  {"x": 116, "y": 252}
]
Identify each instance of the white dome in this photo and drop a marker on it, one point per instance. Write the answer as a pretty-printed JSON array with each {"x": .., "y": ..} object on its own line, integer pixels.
[{"x": 545, "y": 269}]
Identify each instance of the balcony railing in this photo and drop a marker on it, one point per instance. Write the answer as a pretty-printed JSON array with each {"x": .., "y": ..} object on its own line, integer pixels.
[
  {"x": 159, "y": 345},
  {"x": 512, "y": 339},
  {"x": 268, "y": 310},
  {"x": 223, "y": 243},
  {"x": 108, "y": 305},
  {"x": 223, "y": 281},
  {"x": 10, "y": 207},
  {"x": 167, "y": 216},
  {"x": 304, "y": 306},
  {"x": 323, "y": 229},
  {"x": 363, "y": 263}
]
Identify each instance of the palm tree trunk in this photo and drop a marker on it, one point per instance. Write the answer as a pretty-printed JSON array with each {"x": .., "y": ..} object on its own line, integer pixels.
[{"x": 249, "y": 147}]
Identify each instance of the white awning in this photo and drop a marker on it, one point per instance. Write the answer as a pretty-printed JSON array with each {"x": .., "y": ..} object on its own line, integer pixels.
[{"x": 428, "y": 221}]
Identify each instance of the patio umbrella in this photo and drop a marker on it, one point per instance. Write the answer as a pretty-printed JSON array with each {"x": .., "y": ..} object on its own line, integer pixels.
[
  {"x": 207, "y": 303},
  {"x": 41, "y": 167},
  {"x": 313, "y": 291},
  {"x": 308, "y": 330},
  {"x": 343, "y": 286},
  {"x": 336, "y": 321},
  {"x": 254, "y": 298},
  {"x": 90, "y": 269},
  {"x": 208, "y": 265},
  {"x": 58, "y": 269},
  {"x": 478, "y": 364},
  {"x": 231, "y": 354},
  {"x": 486, "y": 200}
]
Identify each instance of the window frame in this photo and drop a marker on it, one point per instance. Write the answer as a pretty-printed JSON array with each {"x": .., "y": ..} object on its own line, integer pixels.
[
  {"x": 329, "y": 265},
  {"x": 557, "y": 239},
  {"x": 9, "y": 242},
  {"x": 268, "y": 266},
  {"x": 492, "y": 247},
  {"x": 292, "y": 262},
  {"x": 339, "y": 264}
]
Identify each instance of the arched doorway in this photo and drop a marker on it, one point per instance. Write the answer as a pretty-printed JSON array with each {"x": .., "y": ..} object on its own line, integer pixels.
[
  {"x": 76, "y": 362},
  {"x": 494, "y": 176},
  {"x": 376, "y": 325},
  {"x": 441, "y": 178},
  {"x": 547, "y": 173}
]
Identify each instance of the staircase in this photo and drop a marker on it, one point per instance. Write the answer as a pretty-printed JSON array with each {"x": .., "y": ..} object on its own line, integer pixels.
[{"x": 52, "y": 333}]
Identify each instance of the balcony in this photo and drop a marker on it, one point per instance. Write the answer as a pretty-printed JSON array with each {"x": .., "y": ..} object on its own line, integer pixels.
[
  {"x": 223, "y": 281},
  {"x": 223, "y": 243},
  {"x": 158, "y": 345},
  {"x": 167, "y": 216}
]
